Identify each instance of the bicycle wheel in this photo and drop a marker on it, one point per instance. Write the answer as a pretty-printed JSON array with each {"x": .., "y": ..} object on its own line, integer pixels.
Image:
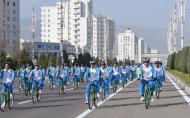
[
  {"x": 38, "y": 95},
  {"x": 114, "y": 86},
  {"x": 26, "y": 88},
  {"x": 34, "y": 92},
  {"x": 90, "y": 99},
  {"x": 122, "y": 82},
  {"x": 3, "y": 102},
  {"x": 95, "y": 100},
  {"x": 157, "y": 92},
  {"x": 147, "y": 100},
  {"x": 102, "y": 94},
  {"x": 51, "y": 84},
  {"x": 10, "y": 101}
]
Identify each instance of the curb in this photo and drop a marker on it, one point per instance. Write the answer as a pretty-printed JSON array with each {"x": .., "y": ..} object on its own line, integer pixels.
[{"x": 181, "y": 84}]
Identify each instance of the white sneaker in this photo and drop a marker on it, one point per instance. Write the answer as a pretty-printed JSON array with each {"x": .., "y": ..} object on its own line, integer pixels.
[
  {"x": 67, "y": 83},
  {"x": 111, "y": 87},
  {"x": 78, "y": 84},
  {"x": 154, "y": 93},
  {"x": 152, "y": 99},
  {"x": 11, "y": 95},
  {"x": 163, "y": 83},
  {"x": 98, "y": 95},
  {"x": 40, "y": 91},
  {"x": 86, "y": 102},
  {"x": 65, "y": 88},
  {"x": 53, "y": 86},
  {"x": 160, "y": 88},
  {"x": 142, "y": 99},
  {"x": 3, "y": 105}
]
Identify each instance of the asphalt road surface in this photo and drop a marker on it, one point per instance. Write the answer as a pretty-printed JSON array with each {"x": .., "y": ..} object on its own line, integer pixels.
[{"x": 124, "y": 104}]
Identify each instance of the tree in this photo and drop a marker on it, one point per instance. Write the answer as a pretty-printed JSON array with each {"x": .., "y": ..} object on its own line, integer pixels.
[
  {"x": 81, "y": 59},
  {"x": 87, "y": 59},
  {"x": 66, "y": 57},
  {"x": 185, "y": 52},
  {"x": 188, "y": 62}
]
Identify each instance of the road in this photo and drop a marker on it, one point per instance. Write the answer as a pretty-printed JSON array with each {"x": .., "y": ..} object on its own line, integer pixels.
[{"x": 126, "y": 103}]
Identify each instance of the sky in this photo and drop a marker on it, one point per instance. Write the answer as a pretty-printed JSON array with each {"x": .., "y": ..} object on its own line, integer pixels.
[{"x": 138, "y": 13}]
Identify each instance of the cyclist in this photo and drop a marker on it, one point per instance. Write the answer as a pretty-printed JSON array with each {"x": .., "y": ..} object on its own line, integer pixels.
[
  {"x": 163, "y": 70},
  {"x": 158, "y": 74},
  {"x": 83, "y": 71},
  {"x": 138, "y": 72},
  {"x": 36, "y": 75},
  {"x": 51, "y": 71},
  {"x": 147, "y": 72},
  {"x": 43, "y": 74},
  {"x": 133, "y": 71},
  {"x": 115, "y": 73},
  {"x": 21, "y": 74},
  {"x": 62, "y": 75},
  {"x": 92, "y": 76},
  {"x": 104, "y": 76},
  {"x": 76, "y": 73},
  {"x": 27, "y": 75},
  {"x": 68, "y": 71},
  {"x": 7, "y": 77},
  {"x": 124, "y": 71}
]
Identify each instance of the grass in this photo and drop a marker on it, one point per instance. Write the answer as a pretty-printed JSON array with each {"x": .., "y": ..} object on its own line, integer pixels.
[{"x": 182, "y": 76}]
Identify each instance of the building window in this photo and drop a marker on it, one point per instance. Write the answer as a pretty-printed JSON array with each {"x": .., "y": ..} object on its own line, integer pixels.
[
  {"x": 14, "y": 4},
  {"x": 14, "y": 19},
  {"x": 7, "y": 3},
  {"x": 14, "y": 11}
]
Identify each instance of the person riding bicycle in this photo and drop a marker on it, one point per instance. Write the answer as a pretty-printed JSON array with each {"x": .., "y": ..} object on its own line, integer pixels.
[
  {"x": 27, "y": 75},
  {"x": 164, "y": 71},
  {"x": 104, "y": 76},
  {"x": 147, "y": 72},
  {"x": 62, "y": 75},
  {"x": 138, "y": 72},
  {"x": 133, "y": 71},
  {"x": 76, "y": 74},
  {"x": 83, "y": 71},
  {"x": 115, "y": 73},
  {"x": 21, "y": 74},
  {"x": 51, "y": 71},
  {"x": 124, "y": 74},
  {"x": 7, "y": 78},
  {"x": 158, "y": 74},
  {"x": 43, "y": 74},
  {"x": 36, "y": 75},
  {"x": 92, "y": 76},
  {"x": 68, "y": 71}
]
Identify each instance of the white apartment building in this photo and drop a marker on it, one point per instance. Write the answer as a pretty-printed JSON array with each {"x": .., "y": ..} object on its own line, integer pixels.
[
  {"x": 103, "y": 37},
  {"x": 51, "y": 23},
  {"x": 147, "y": 48},
  {"x": 140, "y": 49},
  {"x": 10, "y": 25},
  {"x": 154, "y": 51},
  {"x": 77, "y": 25},
  {"x": 128, "y": 45}
]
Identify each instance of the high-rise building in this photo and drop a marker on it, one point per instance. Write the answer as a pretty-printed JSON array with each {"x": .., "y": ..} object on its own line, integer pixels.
[
  {"x": 103, "y": 37},
  {"x": 10, "y": 25},
  {"x": 140, "y": 49},
  {"x": 147, "y": 48},
  {"x": 77, "y": 22},
  {"x": 128, "y": 45}
]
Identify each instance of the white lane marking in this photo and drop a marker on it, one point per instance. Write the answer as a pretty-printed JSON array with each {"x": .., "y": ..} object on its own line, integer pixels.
[
  {"x": 25, "y": 102},
  {"x": 184, "y": 95},
  {"x": 85, "y": 113},
  {"x": 31, "y": 100}
]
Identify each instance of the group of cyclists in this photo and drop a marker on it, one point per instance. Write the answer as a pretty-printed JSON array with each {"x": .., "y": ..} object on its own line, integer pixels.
[{"x": 103, "y": 76}]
